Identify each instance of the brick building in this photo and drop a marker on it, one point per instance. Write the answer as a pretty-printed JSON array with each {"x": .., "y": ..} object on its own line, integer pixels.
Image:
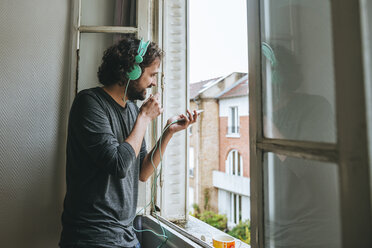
[{"x": 219, "y": 146}]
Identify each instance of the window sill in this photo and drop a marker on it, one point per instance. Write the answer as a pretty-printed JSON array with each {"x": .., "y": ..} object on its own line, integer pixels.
[
  {"x": 194, "y": 229},
  {"x": 233, "y": 135},
  {"x": 198, "y": 228},
  {"x": 149, "y": 239}
]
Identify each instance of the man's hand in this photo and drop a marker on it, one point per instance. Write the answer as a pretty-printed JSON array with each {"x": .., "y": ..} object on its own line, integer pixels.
[
  {"x": 151, "y": 107},
  {"x": 153, "y": 158},
  {"x": 186, "y": 121}
]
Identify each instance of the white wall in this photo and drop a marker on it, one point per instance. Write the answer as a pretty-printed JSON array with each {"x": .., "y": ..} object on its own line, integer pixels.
[
  {"x": 241, "y": 102},
  {"x": 224, "y": 202},
  {"x": 246, "y": 208},
  {"x": 34, "y": 48}
]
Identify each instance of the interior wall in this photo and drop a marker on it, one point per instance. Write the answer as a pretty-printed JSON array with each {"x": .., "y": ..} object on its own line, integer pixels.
[{"x": 34, "y": 67}]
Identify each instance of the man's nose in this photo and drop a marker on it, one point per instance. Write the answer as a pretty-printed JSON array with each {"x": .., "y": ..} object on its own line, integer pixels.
[{"x": 153, "y": 82}]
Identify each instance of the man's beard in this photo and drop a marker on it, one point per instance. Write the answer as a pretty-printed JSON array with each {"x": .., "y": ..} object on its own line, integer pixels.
[{"x": 135, "y": 93}]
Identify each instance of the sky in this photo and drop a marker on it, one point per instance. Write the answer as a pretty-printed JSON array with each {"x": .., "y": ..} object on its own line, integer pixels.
[{"x": 218, "y": 38}]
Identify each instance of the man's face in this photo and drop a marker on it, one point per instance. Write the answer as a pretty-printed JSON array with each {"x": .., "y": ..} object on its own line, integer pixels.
[{"x": 137, "y": 88}]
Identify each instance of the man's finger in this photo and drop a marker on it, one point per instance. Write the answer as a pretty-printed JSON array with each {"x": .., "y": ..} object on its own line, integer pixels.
[
  {"x": 146, "y": 100},
  {"x": 157, "y": 95},
  {"x": 191, "y": 117}
]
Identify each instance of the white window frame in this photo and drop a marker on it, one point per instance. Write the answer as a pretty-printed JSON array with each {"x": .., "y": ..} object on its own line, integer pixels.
[
  {"x": 235, "y": 208},
  {"x": 231, "y": 167},
  {"x": 350, "y": 152},
  {"x": 233, "y": 119}
]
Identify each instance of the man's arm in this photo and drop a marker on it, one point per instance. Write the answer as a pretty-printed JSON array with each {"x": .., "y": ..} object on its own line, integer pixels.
[
  {"x": 148, "y": 165},
  {"x": 150, "y": 109}
]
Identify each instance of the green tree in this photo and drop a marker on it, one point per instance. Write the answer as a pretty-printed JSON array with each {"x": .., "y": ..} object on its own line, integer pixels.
[
  {"x": 242, "y": 231},
  {"x": 218, "y": 221}
]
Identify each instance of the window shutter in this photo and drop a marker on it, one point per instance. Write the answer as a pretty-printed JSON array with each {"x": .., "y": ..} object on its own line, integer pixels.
[{"x": 173, "y": 196}]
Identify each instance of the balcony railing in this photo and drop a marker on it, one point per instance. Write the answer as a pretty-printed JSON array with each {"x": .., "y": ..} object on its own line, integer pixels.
[{"x": 235, "y": 184}]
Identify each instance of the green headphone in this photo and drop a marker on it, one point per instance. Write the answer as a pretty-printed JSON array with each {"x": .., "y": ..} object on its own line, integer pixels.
[{"x": 136, "y": 71}]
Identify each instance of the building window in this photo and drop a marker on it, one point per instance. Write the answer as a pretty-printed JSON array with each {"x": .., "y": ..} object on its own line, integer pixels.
[
  {"x": 233, "y": 127},
  {"x": 191, "y": 198},
  {"x": 234, "y": 163},
  {"x": 235, "y": 208},
  {"x": 191, "y": 162}
]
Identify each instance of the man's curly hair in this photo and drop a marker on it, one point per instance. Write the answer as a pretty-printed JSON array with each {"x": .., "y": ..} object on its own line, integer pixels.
[{"x": 119, "y": 59}]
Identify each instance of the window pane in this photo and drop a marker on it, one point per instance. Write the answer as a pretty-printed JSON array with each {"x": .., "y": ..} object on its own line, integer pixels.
[
  {"x": 297, "y": 76},
  {"x": 108, "y": 13},
  {"x": 92, "y": 47},
  {"x": 234, "y": 163},
  {"x": 301, "y": 203},
  {"x": 238, "y": 165},
  {"x": 233, "y": 124}
]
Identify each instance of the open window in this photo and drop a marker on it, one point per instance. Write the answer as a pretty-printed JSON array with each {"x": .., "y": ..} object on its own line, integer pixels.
[
  {"x": 309, "y": 160},
  {"x": 97, "y": 24}
]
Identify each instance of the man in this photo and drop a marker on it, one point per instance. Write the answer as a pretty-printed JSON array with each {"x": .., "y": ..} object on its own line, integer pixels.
[{"x": 106, "y": 151}]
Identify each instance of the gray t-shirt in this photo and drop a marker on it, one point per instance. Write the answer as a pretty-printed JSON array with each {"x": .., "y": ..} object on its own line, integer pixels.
[{"x": 101, "y": 173}]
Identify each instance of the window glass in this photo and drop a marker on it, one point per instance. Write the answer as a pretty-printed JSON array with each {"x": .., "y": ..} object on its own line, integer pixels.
[
  {"x": 298, "y": 74},
  {"x": 239, "y": 166},
  {"x": 108, "y": 13},
  {"x": 233, "y": 121},
  {"x": 301, "y": 199}
]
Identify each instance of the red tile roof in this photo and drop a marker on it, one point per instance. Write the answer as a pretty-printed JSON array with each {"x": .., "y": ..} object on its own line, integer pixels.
[
  {"x": 239, "y": 90},
  {"x": 195, "y": 88}
]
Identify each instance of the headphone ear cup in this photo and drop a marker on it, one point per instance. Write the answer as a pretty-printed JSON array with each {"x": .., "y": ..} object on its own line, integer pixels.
[{"x": 135, "y": 73}]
